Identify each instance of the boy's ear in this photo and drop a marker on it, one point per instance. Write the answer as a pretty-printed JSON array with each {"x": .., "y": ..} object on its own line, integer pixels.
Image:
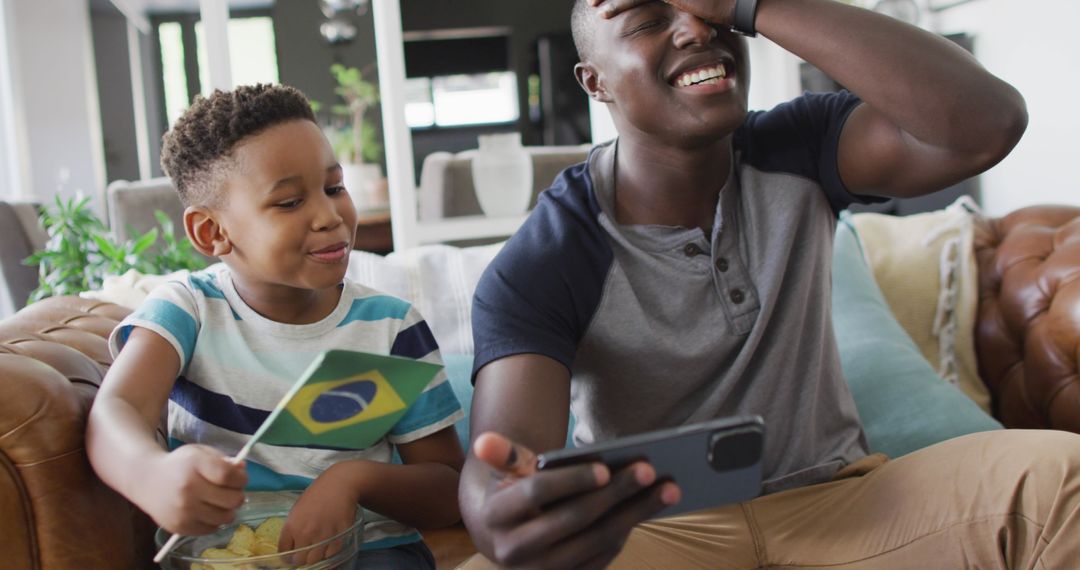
[
  {"x": 205, "y": 233},
  {"x": 589, "y": 79}
]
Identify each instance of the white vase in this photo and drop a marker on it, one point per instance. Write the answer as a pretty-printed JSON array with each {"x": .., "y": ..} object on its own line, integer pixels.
[
  {"x": 366, "y": 186},
  {"x": 502, "y": 175}
]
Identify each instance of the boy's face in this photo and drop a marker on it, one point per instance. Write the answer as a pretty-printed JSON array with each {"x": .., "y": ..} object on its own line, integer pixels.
[
  {"x": 659, "y": 68},
  {"x": 286, "y": 216}
]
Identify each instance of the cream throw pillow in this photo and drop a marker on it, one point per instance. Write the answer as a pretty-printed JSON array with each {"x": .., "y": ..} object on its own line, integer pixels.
[
  {"x": 128, "y": 290},
  {"x": 438, "y": 279},
  {"x": 925, "y": 266}
]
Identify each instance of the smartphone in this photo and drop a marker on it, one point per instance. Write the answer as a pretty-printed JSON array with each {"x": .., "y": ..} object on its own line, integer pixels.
[{"x": 714, "y": 463}]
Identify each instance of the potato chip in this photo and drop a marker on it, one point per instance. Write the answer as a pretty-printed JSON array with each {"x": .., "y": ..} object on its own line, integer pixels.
[
  {"x": 269, "y": 531},
  {"x": 242, "y": 543},
  {"x": 217, "y": 554},
  {"x": 245, "y": 543},
  {"x": 214, "y": 554},
  {"x": 263, "y": 548}
]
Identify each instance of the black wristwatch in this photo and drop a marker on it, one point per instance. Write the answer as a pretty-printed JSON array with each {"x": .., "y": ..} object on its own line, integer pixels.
[{"x": 745, "y": 13}]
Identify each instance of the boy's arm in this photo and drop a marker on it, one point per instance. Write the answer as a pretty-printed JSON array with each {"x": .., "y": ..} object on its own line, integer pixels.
[
  {"x": 421, "y": 493},
  {"x": 192, "y": 490}
]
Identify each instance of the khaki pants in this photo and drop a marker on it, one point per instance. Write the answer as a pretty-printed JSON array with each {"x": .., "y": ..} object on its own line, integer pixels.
[{"x": 1004, "y": 499}]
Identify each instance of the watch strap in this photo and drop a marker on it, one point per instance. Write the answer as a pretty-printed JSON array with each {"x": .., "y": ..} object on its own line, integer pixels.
[{"x": 745, "y": 14}]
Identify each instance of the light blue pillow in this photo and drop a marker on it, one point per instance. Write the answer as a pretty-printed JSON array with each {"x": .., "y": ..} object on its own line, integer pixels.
[
  {"x": 903, "y": 403},
  {"x": 459, "y": 374}
]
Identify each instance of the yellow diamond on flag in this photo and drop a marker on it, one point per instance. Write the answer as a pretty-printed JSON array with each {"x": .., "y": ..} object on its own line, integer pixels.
[
  {"x": 345, "y": 400},
  {"x": 336, "y": 404}
]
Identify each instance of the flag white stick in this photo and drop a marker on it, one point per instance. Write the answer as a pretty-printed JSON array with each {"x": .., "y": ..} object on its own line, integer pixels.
[
  {"x": 171, "y": 543},
  {"x": 244, "y": 451}
]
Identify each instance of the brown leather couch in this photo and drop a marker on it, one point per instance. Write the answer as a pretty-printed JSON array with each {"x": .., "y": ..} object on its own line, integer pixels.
[
  {"x": 1028, "y": 324},
  {"x": 55, "y": 514}
]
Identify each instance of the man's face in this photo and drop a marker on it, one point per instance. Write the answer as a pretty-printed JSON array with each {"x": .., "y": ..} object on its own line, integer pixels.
[
  {"x": 288, "y": 218},
  {"x": 669, "y": 74}
]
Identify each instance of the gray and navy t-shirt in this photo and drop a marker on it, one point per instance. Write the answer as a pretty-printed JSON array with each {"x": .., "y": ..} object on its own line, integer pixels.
[{"x": 662, "y": 326}]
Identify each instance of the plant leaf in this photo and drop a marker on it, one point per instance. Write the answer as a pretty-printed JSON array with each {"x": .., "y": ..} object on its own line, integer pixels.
[{"x": 145, "y": 241}]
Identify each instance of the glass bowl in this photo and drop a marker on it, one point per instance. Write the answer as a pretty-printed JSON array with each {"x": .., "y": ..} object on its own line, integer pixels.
[{"x": 259, "y": 506}]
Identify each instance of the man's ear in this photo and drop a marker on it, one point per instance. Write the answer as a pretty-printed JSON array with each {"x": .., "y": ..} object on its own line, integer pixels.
[
  {"x": 589, "y": 79},
  {"x": 205, "y": 233}
]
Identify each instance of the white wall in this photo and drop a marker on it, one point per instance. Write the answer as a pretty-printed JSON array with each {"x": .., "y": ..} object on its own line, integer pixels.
[
  {"x": 14, "y": 161},
  {"x": 54, "y": 77},
  {"x": 774, "y": 74},
  {"x": 1035, "y": 46}
]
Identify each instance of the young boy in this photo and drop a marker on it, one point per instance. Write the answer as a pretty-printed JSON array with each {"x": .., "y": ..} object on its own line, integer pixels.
[{"x": 264, "y": 193}]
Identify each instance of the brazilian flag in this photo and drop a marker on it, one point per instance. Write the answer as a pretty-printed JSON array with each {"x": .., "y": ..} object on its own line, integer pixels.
[{"x": 346, "y": 400}]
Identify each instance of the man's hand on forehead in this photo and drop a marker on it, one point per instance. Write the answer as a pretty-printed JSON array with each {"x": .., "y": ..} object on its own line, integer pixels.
[{"x": 714, "y": 11}]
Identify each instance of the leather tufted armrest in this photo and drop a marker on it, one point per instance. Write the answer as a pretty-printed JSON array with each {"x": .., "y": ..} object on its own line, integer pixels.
[
  {"x": 1028, "y": 325},
  {"x": 55, "y": 512}
]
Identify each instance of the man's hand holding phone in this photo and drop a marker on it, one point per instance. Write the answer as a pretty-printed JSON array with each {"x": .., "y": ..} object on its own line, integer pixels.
[{"x": 577, "y": 516}]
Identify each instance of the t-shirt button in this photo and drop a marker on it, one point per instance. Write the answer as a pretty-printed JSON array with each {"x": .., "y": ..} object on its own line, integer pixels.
[
  {"x": 691, "y": 250},
  {"x": 722, "y": 265},
  {"x": 737, "y": 296}
]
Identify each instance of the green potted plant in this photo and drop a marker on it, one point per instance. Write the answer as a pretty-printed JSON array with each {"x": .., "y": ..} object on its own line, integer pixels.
[
  {"x": 354, "y": 139},
  {"x": 81, "y": 252}
]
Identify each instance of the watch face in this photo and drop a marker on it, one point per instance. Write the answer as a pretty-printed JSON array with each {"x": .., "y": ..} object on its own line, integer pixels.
[{"x": 903, "y": 10}]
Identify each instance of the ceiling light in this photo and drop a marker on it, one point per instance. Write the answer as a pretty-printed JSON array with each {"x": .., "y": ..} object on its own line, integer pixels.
[
  {"x": 338, "y": 30},
  {"x": 332, "y": 8}
]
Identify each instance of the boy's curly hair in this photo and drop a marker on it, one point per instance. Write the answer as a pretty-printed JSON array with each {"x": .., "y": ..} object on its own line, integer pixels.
[{"x": 197, "y": 147}]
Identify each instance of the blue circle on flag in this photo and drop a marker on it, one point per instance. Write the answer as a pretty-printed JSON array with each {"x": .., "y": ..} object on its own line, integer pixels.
[{"x": 343, "y": 402}]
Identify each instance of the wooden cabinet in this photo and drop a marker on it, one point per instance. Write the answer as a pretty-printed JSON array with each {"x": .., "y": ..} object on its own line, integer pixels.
[{"x": 373, "y": 233}]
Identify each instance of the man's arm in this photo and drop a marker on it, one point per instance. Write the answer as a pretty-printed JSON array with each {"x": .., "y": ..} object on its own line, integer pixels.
[
  {"x": 571, "y": 517},
  {"x": 932, "y": 115}
]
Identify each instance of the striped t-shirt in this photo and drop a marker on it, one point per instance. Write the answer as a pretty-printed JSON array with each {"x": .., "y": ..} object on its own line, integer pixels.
[{"x": 235, "y": 365}]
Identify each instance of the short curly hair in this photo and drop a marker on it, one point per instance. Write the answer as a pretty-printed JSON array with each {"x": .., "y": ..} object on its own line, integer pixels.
[{"x": 196, "y": 150}]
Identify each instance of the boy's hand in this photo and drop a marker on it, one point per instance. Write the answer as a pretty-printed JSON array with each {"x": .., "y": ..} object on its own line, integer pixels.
[
  {"x": 569, "y": 517},
  {"x": 325, "y": 509},
  {"x": 193, "y": 490},
  {"x": 714, "y": 11}
]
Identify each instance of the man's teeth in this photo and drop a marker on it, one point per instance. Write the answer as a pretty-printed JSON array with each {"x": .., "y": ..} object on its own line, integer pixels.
[{"x": 708, "y": 76}]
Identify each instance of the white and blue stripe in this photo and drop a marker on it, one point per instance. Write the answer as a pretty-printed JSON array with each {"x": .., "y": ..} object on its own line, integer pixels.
[{"x": 236, "y": 365}]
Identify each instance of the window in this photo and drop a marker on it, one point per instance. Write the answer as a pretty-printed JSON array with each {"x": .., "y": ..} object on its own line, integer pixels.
[
  {"x": 252, "y": 55},
  {"x": 459, "y": 77},
  {"x": 460, "y": 100},
  {"x": 251, "y": 52},
  {"x": 172, "y": 70},
  {"x": 419, "y": 107}
]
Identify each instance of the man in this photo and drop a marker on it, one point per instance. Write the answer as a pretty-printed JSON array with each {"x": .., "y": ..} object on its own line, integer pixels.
[{"x": 682, "y": 274}]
